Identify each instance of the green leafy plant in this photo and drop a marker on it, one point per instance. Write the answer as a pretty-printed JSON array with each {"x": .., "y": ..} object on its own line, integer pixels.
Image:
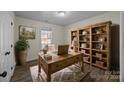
[{"x": 21, "y": 45}]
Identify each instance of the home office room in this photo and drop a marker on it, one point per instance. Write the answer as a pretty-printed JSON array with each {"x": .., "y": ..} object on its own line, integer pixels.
[{"x": 60, "y": 46}]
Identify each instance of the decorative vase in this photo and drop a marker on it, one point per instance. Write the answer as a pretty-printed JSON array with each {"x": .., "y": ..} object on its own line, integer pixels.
[
  {"x": 44, "y": 51},
  {"x": 22, "y": 56}
]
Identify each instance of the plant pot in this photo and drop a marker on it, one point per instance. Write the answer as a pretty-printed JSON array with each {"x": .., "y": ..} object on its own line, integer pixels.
[{"x": 22, "y": 57}]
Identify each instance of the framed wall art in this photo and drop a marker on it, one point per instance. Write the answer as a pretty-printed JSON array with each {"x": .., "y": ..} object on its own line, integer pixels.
[{"x": 26, "y": 32}]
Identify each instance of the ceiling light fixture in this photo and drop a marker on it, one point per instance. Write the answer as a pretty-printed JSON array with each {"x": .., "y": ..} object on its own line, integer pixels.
[{"x": 61, "y": 13}]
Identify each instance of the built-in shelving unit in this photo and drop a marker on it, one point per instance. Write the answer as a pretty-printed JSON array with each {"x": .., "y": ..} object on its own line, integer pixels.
[{"x": 94, "y": 42}]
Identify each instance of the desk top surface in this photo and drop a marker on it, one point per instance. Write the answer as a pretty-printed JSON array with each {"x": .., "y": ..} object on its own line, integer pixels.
[{"x": 56, "y": 57}]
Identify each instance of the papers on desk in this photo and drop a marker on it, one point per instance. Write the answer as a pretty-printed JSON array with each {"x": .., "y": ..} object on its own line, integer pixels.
[{"x": 47, "y": 57}]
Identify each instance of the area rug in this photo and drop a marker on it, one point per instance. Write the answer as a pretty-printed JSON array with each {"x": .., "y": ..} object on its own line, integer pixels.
[{"x": 69, "y": 74}]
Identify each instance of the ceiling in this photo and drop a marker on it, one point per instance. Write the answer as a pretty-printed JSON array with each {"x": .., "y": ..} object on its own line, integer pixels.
[{"x": 52, "y": 16}]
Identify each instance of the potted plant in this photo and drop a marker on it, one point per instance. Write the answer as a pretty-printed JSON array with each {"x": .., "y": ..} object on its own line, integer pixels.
[{"x": 21, "y": 47}]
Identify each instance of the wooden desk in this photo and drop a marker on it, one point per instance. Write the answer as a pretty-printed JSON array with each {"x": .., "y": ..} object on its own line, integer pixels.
[{"x": 58, "y": 62}]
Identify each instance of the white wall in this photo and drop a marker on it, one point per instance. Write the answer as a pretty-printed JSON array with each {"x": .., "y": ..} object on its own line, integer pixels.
[
  {"x": 110, "y": 16},
  {"x": 58, "y": 35}
]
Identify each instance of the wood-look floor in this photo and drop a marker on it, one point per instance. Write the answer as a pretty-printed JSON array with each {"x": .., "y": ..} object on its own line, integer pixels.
[{"x": 22, "y": 74}]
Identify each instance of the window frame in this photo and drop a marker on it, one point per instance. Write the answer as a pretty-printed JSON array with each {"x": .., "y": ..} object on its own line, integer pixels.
[{"x": 48, "y": 37}]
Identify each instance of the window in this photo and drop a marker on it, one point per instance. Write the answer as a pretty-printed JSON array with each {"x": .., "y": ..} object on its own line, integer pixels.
[{"x": 46, "y": 37}]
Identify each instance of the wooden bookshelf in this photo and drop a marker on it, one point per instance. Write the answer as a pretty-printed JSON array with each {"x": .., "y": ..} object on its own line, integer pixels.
[{"x": 94, "y": 42}]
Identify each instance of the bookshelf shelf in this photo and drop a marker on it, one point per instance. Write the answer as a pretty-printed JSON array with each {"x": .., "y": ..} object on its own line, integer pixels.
[
  {"x": 105, "y": 68},
  {"x": 84, "y": 41},
  {"x": 98, "y": 50},
  {"x": 100, "y": 58},
  {"x": 87, "y": 62},
  {"x": 99, "y": 34},
  {"x": 86, "y": 54},
  {"x": 85, "y": 48},
  {"x": 83, "y": 35}
]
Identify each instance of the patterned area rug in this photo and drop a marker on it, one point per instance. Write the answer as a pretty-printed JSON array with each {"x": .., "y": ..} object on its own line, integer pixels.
[
  {"x": 28, "y": 73},
  {"x": 69, "y": 74}
]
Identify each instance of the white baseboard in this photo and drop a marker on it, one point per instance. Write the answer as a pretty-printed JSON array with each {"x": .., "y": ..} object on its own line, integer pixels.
[{"x": 30, "y": 60}]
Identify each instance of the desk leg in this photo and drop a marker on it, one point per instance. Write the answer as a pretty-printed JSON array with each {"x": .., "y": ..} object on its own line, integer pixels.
[
  {"x": 48, "y": 77},
  {"x": 39, "y": 67}
]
